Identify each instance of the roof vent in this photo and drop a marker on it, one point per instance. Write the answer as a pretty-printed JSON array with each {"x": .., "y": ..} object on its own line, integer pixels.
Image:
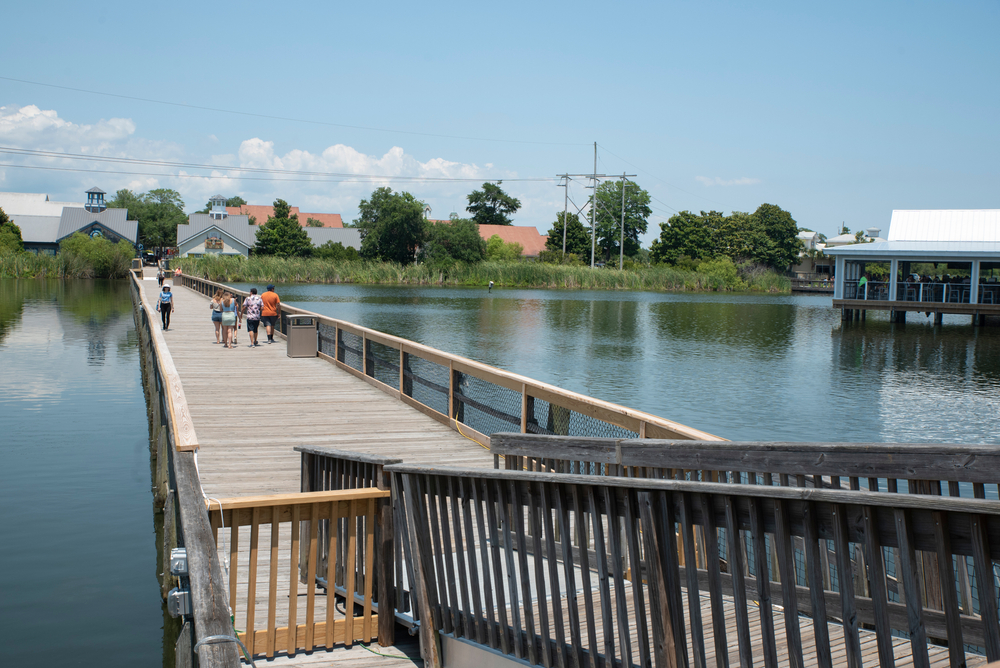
[{"x": 873, "y": 232}]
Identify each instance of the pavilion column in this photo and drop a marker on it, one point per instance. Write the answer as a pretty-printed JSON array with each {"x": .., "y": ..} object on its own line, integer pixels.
[
  {"x": 974, "y": 283},
  {"x": 838, "y": 277},
  {"x": 893, "y": 269}
]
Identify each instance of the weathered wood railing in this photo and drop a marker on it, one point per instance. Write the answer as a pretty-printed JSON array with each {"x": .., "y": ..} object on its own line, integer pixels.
[
  {"x": 178, "y": 489},
  {"x": 265, "y": 589},
  {"x": 956, "y": 470},
  {"x": 492, "y": 566},
  {"x": 328, "y": 469},
  {"x": 469, "y": 396}
]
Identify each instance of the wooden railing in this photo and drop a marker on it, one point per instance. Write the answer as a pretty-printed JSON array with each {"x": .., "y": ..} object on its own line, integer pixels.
[
  {"x": 328, "y": 469},
  {"x": 464, "y": 394},
  {"x": 178, "y": 488},
  {"x": 494, "y": 565},
  {"x": 265, "y": 588}
]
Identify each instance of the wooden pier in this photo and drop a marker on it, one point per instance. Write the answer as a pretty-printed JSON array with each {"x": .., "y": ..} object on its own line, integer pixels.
[{"x": 330, "y": 520}]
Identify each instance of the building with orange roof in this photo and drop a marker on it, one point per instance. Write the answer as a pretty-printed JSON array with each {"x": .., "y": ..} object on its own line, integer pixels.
[
  {"x": 529, "y": 238},
  {"x": 531, "y": 241},
  {"x": 262, "y": 212}
]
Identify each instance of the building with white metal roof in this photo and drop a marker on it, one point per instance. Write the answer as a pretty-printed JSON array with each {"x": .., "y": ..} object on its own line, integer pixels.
[
  {"x": 45, "y": 224},
  {"x": 941, "y": 261},
  {"x": 32, "y": 204}
]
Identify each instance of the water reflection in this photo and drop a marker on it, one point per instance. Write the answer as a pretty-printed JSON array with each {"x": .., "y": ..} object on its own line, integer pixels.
[
  {"x": 743, "y": 367},
  {"x": 74, "y": 481}
]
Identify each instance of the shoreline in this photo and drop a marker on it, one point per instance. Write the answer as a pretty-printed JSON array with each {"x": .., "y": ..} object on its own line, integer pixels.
[{"x": 504, "y": 275}]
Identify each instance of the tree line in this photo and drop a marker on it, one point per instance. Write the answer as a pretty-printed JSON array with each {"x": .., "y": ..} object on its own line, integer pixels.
[
  {"x": 768, "y": 236},
  {"x": 393, "y": 228}
]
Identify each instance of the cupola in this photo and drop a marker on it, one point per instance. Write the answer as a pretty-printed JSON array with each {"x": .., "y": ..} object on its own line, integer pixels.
[
  {"x": 95, "y": 200},
  {"x": 218, "y": 211}
]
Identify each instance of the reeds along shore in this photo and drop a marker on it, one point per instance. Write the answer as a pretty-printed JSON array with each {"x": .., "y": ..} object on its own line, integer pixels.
[{"x": 714, "y": 276}]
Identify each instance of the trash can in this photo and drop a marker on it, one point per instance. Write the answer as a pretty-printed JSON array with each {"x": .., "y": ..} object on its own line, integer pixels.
[{"x": 302, "y": 336}]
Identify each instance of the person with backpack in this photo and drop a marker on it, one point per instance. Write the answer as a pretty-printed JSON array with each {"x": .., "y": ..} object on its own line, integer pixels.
[
  {"x": 165, "y": 305},
  {"x": 252, "y": 306}
]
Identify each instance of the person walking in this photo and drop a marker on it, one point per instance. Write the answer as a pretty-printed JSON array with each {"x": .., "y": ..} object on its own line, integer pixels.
[
  {"x": 269, "y": 312},
  {"x": 165, "y": 305},
  {"x": 216, "y": 306},
  {"x": 228, "y": 319},
  {"x": 252, "y": 309},
  {"x": 159, "y": 276}
]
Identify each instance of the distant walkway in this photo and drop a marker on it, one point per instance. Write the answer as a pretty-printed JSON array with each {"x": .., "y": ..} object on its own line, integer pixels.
[{"x": 251, "y": 406}]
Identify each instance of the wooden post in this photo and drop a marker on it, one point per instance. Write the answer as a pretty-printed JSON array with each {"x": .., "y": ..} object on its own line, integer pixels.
[
  {"x": 385, "y": 564},
  {"x": 424, "y": 586}
]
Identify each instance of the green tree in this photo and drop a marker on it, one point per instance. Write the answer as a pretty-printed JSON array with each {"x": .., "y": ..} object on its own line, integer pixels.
[
  {"x": 782, "y": 231},
  {"x": 609, "y": 217},
  {"x": 335, "y": 252},
  {"x": 392, "y": 226},
  {"x": 312, "y": 222},
  {"x": 740, "y": 237},
  {"x": 457, "y": 240},
  {"x": 684, "y": 235},
  {"x": 10, "y": 234},
  {"x": 158, "y": 211},
  {"x": 491, "y": 205},
  {"x": 499, "y": 250},
  {"x": 577, "y": 236},
  {"x": 282, "y": 235}
]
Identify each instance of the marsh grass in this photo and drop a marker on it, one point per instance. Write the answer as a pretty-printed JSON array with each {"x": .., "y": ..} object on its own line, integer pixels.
[{"x": 505, "y": 274}]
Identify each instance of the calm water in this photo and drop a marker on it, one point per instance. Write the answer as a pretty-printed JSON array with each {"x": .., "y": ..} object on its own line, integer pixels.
[
  {"x": 741, "y": 367},
  {"x": 77, "y": 555},
  {"x": 77, "y": 550}
]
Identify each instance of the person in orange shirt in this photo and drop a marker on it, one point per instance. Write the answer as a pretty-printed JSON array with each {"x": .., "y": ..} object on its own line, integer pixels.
[{"x": 269, "y": 311}]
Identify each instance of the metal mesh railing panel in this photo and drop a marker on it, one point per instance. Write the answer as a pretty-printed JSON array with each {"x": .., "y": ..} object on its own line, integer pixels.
[
  {"x": 546, "y": 418},
  {"x": 327, "y": 340},
  {"x": 487, "y": 407},
  {"x": 386, "y": 363},
  {"x": 428, "y": 382},
  {"x": 350, "y": 352}
]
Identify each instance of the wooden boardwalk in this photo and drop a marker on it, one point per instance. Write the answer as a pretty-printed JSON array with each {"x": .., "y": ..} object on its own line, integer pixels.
[{"x": 251, "y": 406}]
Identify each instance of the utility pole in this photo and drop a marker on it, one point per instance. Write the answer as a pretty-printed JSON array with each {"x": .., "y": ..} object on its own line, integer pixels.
[
  {"x": 593, "y": 214},
  {"x": 621, "y": 249},
  {"x": 579, "y": 210},
  {"x": 565, "y": 209}
]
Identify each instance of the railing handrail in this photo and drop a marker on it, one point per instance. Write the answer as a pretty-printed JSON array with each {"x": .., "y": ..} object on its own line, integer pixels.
[
  {"x": 848, "y": 497},
  {"x": 365, "y": 457},
  {"x": 507, "y": 379},
  {"x": 296, "y": 498},
  {"x": 209, "y": 605},
  {"x": 181, "y": 424},
  {"x": 910, "y": 461}
]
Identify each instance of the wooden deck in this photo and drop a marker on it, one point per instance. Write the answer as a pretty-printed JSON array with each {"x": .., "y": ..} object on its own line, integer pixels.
[{"x": 251, "y": 406}]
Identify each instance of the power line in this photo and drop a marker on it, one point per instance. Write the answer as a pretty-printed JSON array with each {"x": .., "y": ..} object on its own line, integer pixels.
[
  {"x": 347, "y": 176},
  {"x": 285, "y": 118},
  {"x": 215, "y": 177}
]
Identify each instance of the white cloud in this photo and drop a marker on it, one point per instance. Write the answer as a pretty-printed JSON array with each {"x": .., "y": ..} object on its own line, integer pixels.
[
  {"x": 31, "y": 127},
  {"x": 718, "y": 181}
]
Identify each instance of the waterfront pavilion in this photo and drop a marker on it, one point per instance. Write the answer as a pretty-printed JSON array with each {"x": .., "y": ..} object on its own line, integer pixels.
[{"x": 936, "y": 261}]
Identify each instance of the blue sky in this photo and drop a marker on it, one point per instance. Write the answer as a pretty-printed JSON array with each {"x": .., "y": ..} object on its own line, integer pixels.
[{"x": 837, "y": 113}]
